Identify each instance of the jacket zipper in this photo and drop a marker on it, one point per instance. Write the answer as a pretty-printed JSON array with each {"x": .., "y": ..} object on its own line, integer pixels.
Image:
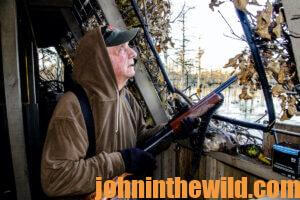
[{"x": 118, "y": 110}]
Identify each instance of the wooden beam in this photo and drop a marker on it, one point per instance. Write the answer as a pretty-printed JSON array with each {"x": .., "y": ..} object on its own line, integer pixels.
[
  {"x": 111, "y": 13},
  {"x": 10, "y": 59},
  {"x": 292, "y": 14},
  {"x": 52, "y": 3},
  {"x": 147, "y": 89}
]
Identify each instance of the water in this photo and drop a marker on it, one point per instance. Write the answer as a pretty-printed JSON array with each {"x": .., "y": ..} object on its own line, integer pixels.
[{"x": 250, "y": 110}]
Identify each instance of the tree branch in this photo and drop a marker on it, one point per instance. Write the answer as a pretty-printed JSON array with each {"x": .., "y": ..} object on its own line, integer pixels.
[
  {"x": 231, "y": 30},
  {"x": 180, "y": 13}
]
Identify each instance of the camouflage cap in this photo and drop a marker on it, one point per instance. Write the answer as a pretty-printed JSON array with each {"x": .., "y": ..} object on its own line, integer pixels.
[{"x": 114, "y": 36}]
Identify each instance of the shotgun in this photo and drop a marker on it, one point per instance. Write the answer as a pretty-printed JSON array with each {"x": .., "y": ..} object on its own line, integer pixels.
[{"x": 199, "y": 109}]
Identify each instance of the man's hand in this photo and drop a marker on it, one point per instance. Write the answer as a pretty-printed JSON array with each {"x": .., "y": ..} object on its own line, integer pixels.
[
  {"x": 188, "y": 125},
  {"x": 138, "y": 162}
]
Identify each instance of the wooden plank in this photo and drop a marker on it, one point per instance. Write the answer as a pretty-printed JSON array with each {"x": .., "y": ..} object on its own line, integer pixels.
[
  {"x": 9, "y": 45},
  {"x": 202, "y": 168},
  {"x": 6, "y": 170},
  {"x": 31, "y": 73},
  {"x": 292, "y": 12},
  {"x": 211, "y": 164},
  {"x": 220, "y": 170},
  {"x": 147, "y": 89},
  {"x": 211, "y": 169},
  {"x": 111, "y": 13},
  {"x": 165, "y": 161},
  {"x": 251, "y": 167}
]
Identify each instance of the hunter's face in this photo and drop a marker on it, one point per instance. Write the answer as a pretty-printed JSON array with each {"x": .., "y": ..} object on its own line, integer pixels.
[{"x": 122, "y": 59}]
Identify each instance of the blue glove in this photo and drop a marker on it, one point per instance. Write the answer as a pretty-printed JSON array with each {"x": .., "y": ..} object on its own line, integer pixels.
[{"x": 138, "y": 162}]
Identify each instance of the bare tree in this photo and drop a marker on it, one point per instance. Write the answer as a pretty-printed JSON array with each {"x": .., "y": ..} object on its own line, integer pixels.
[
  {"x": 199, "y": 56},
  {"x": 181, "y": 54}
]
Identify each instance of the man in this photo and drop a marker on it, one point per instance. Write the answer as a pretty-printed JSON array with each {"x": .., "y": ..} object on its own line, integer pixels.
[{"x": 103, "y": 64}]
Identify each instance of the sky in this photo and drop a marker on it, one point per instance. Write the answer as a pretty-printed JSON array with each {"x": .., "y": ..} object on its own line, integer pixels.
[{"x": 206, "y": 29}]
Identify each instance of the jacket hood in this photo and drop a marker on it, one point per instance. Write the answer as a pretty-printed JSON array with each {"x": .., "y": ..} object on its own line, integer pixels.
[{"x": 92, "y": 66}]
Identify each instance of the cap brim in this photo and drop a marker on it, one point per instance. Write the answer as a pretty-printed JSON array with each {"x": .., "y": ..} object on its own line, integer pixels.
[{"x": 122, "y": 37}]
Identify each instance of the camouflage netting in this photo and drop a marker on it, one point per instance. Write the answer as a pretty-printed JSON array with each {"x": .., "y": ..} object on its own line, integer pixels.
[{"x": 273, "y": 39}]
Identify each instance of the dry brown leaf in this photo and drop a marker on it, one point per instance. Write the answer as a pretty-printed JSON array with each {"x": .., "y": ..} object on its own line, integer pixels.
[
  {"x": 267, "y": 54},
  {"x": 251, "y": 68},
  {"x": 290, "y": 84},
  {"x": 284, "y": 116},
  {"x": 292, "y": 100},
  {"x": 241, "y": 4},
  {"x": 263, "y": 22},
  {"x": 243, "y": 65},
  {"x": 277, "y": 90},
  {"x": 244, "y": 76},
  {"x": 292, "y": 76},
  {"x": 253, "y": 87},
  {"x": 254, "y": 2},
  {"x": 245, "y": 94},
  {"x": 269, "y": 7},
  {"x": 283, "y": 101},
  {"x": 292, "y": 109},
  {"x": 233, "y": 61},
  {"x": 278, "y": 27},
  {"x": 264, "y": 33},
  {"x": 158, "y": 48},
  {"x": 279, "y": 18},
  {"x": 269, "y": 74},
  {"x": 274, "y": 66},
  {"x": 277, "y": 30},
  {"x": 199, "y": 91},
  {"x": 215, "y": 3},
  {"x": 281, "y": 75},
  {"x": 161, "y": 78}
]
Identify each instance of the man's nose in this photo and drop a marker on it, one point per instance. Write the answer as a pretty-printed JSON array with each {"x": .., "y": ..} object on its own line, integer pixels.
[{"x": 132, "y": 53}]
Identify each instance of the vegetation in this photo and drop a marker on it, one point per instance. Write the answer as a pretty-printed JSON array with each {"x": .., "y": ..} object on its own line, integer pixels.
[{"x": 272, "y": 37}]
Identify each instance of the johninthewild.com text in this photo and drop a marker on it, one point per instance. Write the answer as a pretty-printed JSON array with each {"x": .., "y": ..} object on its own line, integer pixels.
[{"x": 226, "y": 187}]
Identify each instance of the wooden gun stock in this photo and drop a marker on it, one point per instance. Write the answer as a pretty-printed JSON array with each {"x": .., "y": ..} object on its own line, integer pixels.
[{"x": 196, "y": 111}]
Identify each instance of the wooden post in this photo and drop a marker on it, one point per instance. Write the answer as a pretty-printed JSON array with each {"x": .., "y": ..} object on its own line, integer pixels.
[
  {"x": 292, "y": 10},
  {"x": 9, "y": 45}
]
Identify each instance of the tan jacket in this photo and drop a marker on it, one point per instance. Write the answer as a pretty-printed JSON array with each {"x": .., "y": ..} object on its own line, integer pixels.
[{"x": 118, "y": 125}]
